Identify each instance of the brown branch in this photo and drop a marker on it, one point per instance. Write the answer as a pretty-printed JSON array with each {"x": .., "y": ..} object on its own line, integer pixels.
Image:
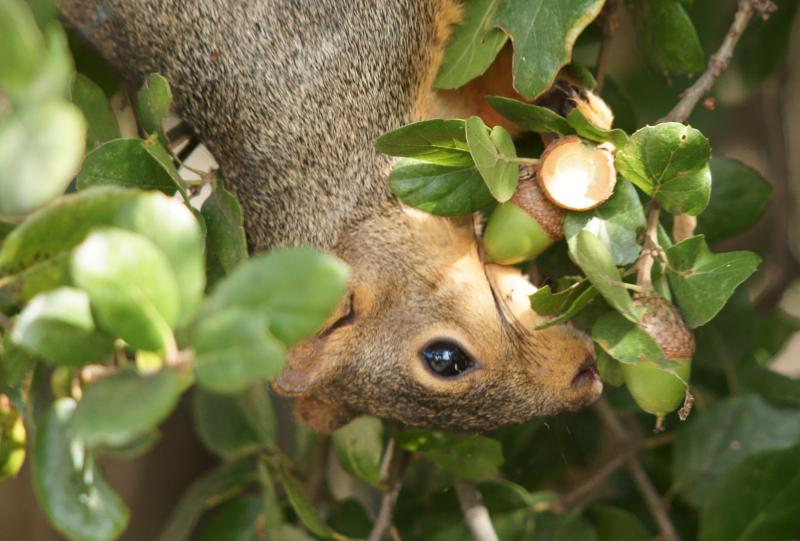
[
  {"x": 608, "y": 24},
  {"x": 650, "y": 250},
  {"x": 475, "y": 513},
  {"x": 684, "y": 225},
  {"x": 393, "y": 465},
  {"x": 639, "y": 476}
]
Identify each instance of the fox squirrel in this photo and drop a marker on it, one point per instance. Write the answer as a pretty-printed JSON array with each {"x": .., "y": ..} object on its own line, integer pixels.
[{"x": 289, "y": 95}]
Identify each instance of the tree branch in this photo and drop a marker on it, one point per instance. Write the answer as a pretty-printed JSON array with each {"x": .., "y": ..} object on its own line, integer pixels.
[
  {"x": 393, "y": 466},
  {"x": 608, "y": 24},
  {"x": 650, "y": 250},
  {"x": 639, "y": 476},
  {"x": 475, "y": 513},
  {"x": 684, "y": 225}
]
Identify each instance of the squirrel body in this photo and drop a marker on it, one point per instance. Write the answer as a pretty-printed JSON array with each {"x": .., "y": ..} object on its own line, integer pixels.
[{"x": 289, "y": 95}]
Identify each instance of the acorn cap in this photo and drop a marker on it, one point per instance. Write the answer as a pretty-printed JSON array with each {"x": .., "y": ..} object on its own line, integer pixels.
[
  {"x": 576, "y": 175},
  {"x": 529, "y": 197},
  {"x": 664, "y": 323}
]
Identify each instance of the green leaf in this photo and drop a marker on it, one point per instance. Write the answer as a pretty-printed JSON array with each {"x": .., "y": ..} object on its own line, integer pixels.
[
  {"x": 153, "y": 102},
  {"x": 172, "y": 228},
  {"x": 609, "y": 368},
  {"x": 58, "y": 227},
  {"x": 305, "y": 511},
  {"x": 669, "y": 162},
  {"x": 531, "y": 117},
  {"x": 472, "y": 46},
  {"x": 738, "y": 200},
  {"x": 617, "y": 223},
  {"x": 15, "y": 363},
  {"x": 493, "y": 152},
  {"x": 725, "y": 435},
  {"x": 120, "y": 408},
  {"x": 296, "y": 289},
  {"x": 564, "y": 304},
  {"x": 92, "y": 101},
  {"x": 234, "y": 520},
  {"x": 442, "y": 142},
  {"x": 234, "y": 350},
  {"x": 701, "y": 281},
  {"x": 469, "y": 456},
  {"x": 126, "y": 162},
  {"x": 206, "y": 491},
  {"x": 130, "y": 284},
  {"x": 233, "y": 426},
  {"x": 587, "y": 130},
  {"x": 758, "y": 500},
  {"x": 596, "y": 261},
  {"x": 617, "y": 524},
  {"x": 440, "y": 189},
  {"x": 359, "y": 447},
  {"x": 226, "y": 245},
  {"x": 667, "y": 36},
  {"x": 21, "y": 46},
  {"x": 565, "y": 527},
  {"x": 58, "y": 325},
  {"x": 625, "y": 341},
  {"x": 69, "y": 485},
  {"x": 40, "y": 151},
  {"x": 543, "y": 33}
]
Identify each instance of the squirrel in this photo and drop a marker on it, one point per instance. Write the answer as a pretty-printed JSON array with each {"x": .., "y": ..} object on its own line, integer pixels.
[{"x": 289, "y": 96}]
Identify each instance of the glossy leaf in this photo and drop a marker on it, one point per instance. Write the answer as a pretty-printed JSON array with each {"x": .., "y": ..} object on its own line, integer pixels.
[
  {"x": 296, "y": 289},
  {"x": 442, "y": 142},
  {"x": 226, "y": 245},
  {"x": 625, "y": 341},
  {"x": 469, "y": 456},
  {"x": 529, "y": 116},
  {"x": 701, "y": 281},
  {"x": 130, "y": 284},
  {"x": 596, "y": 261},
  {"x": 126, "y": 162},
  {"x": 359, "y": 447},
  {"x": 233, "y": 426},
  {"x": 114, "y": 411},
  {"x": 616, "y": 223},
  {"x": 669, "y": 162},
  {"x": 92, "y": 101},
  {"x": 583, "y": 127},
  {"x": 234, "y": 350},
  {"x": 173, "y": 229},
  {"x": 58, "y": 325},
  {"x": 758, "y": 500},
  {"x": 493, "y": 153},
  {"x": 722, "y": 437},
  {"x": 305, "y": 511},
  {"x": 440, "y": 189},
  {"x": 543, "y": 34},
  {"x": 738, "y": 200},
  {"x": 69, "y": 486},
  {"x": 153, "y": 102},
  {"x": 667, "y": 36},
  {"x": 40, "y": 151},
  {"x": 472, "y": 46}
]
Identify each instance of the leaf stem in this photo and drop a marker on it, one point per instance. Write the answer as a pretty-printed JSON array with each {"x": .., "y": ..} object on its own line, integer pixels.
[
  {"x": 650, "y": 249},
  {"x": 394, "y": 464},
  {"x": 684, "y": 225},
  {"x": 475, "y": 513}
]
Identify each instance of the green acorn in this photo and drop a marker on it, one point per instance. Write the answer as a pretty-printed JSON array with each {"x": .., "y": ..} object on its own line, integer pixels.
[
  {"x": 654, "y": 389},
  {"x": 525, "y": 226}
]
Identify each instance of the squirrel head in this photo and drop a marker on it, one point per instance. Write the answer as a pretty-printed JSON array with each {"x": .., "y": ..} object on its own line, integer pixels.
[{"x": 430, "y": 336}]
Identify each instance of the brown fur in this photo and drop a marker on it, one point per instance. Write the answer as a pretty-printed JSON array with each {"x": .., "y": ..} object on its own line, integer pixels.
[{"x": 289, "y": 95}]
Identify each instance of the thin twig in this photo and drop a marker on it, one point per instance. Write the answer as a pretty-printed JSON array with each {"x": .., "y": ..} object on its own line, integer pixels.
[
  {"x": 684, "y": 225},
  {"x": 475, "y": 513},
  {"x": 650, "y": 249},
  {"x": 393, "y": 466},
  {"x": 639, "y": 476},
  {"x": 609, "y": 24}
]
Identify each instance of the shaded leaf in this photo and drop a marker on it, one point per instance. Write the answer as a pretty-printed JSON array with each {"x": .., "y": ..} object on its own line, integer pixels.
[
  {"x": 442, "y": 142},
  {"x": 234, "y": 520},
  {"x": 440, "y": 189},
  {"x": 667, "y": 36},
  {"x": 92, "y": 101},
  {"x": 469, "y": 456},
  {"x": 126, "y": 162},
  {"x": 113, "y": 411},
  {"x": 359, "y": 447},
  {"x": 493, "y": 152},
  {"x": 226, "y": 245},
  {"x": 69, "y": 486},
  {"x": 305, "y": 511},
  {"x": 702, "y": 281},
  {"x": 566, "y": 527},
  {"x": 617, "y": 524},
  {"x": 531, "y": 117},
  {"x": 58, "y": 325},
  {"x": 152, "y": 104}
]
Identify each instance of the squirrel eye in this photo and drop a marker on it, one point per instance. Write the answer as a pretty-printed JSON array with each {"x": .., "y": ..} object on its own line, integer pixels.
[{"x": 446, "y": 358}]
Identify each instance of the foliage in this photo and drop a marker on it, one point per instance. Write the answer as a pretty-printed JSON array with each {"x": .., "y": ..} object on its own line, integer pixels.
[{"x": 118, "y": 297}]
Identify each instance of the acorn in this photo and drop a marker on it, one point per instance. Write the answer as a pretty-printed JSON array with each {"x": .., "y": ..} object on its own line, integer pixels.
[
  {"x": 524, "y": 226},
  {"x": 654, "y": 389},
  {"x": 575, "y": 174}
]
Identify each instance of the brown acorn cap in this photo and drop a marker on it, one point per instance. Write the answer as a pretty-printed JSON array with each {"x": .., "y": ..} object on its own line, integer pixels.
[
  {"x": 664, "y": 323},
  {"x": 576, "y": 175},
  {"x": 529, "y": 197}
]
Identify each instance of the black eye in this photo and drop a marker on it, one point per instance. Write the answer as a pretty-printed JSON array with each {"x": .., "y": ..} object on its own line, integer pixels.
[{"x": 446, "y": 358}]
